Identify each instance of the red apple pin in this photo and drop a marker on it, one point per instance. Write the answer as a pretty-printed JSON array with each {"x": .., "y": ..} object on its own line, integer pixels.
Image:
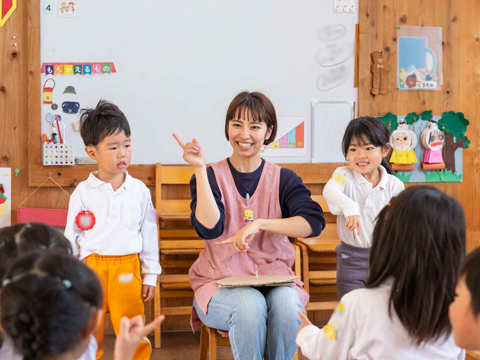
[{"x": 85, "y": 220}]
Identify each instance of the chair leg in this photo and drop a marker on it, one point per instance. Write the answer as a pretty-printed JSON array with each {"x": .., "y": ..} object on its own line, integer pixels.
[
  {"x": 158, "y": 312},
  {"x": 203, "y": 343},
  {"x": 212, "y": 343},
  {"x": 295, "y": 357},
  {"x": 298, "y": 261}
]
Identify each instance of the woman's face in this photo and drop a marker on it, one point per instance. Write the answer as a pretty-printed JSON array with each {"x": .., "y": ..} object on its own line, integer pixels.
[{"x": 246, "y": 135}]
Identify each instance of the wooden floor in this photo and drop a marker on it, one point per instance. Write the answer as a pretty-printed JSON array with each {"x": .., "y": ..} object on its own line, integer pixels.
[{"x": 175, "y": 346}]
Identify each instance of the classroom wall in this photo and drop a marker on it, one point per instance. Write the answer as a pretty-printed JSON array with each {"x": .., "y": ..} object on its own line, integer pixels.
[
  {"x": 461, "y": 49},
  {"x": 378, "y": 22}
]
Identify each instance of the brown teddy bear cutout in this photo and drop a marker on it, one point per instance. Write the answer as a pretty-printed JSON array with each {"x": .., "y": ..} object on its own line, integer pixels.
[{"x": 379, "y": 69}]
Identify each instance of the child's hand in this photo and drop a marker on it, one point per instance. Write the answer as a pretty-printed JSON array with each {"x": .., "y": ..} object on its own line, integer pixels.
[
  {"x": 352, "y": 223},
  {"x": 132, "y": 331},
  {"x": 242, "y": 239},
  {"x": 148, "y": 292},
  {"x": 192, "y": 152},
  {"x": 305, "y": 322}
]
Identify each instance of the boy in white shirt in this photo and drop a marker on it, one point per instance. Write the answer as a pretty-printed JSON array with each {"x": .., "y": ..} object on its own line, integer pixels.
[{"x": 111, "y": 222}]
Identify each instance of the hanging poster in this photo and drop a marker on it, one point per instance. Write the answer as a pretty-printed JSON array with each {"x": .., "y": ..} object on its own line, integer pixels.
[{"x": 419, "y": 55}]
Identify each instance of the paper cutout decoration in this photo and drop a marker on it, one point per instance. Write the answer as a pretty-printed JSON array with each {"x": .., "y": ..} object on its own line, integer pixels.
[
  {"x": 7, "y": 7},
  {"x": 58, "y": 69},
  {"x": 403, "y": 142},
  {"x": 67, "y": 9},
  {"x": 87, "y": 69},
  {"x": 69, "y": 90},
  {"x": 379, "y": 69},
  {"x": 78, "y": 68},
  {"x": 432, "y": 139},
  {"x": 54, "y": 106},
  {"x": 70, "y": 107},
  {"x": 49, "y": 70},
  {"x": 48, "y": 87},
  {"x": 106, "y": 69},
  {"x": 97, "y": 69},
  {"x": 68, "y": 69},
  {"x": 85, "y": 220}
]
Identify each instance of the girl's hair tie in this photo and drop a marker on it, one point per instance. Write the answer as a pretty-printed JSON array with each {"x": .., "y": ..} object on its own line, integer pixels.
[
  {"x": 67, "y": 283},
  {"x": 6, "y": 282}
]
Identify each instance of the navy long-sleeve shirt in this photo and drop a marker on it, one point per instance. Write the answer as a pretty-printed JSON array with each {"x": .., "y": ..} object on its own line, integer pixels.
[{"x": 294, "y": 198}]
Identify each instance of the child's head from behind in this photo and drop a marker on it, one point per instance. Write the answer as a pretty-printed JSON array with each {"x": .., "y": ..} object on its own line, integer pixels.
[
  {"x": 365, "y": 144},
  {"x": 465, "y": 309},
  {"x": 251, "y": 122},
  {"x": 418, "y": 243},
  {"x": 50, "y": 304},
  {"x": 106, "y": 134},
  {"x": 19, "y": 239}
]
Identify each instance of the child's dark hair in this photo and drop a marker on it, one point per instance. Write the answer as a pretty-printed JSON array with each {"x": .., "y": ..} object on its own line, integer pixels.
[
  {"x": 419, "y": 242},
  {"x": 19, "y": 239},
  {"x": 106, "y": 119},
  {"x": 470, "y": 268},
  {"x": 47, "y": 301},
  {"x": 367, "y": 128},
  {"x": 258, "y": 106}
]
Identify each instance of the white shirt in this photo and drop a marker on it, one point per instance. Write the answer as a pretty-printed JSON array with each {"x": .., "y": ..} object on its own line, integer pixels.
[
  {"x": 361, "y": 329},
  {"x": 7, "y": 351},
  {"x": 124, "y": 223},
  {"x": 348, "y": 193}
]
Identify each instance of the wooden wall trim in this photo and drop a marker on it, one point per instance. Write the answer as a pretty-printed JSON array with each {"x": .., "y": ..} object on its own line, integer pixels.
[{"x": 70, "y": 176}]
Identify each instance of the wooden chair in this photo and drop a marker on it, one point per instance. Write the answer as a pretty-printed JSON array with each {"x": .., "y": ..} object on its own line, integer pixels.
[
  {"x": 211, "y": 338},
  {"x": 175, "y": 243},
  {"x": 318, "y": 253}
]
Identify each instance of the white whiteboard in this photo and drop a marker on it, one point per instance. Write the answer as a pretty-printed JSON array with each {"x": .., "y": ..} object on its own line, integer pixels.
[
  {"x": 180, "y": 63},
  {"x": 329, "y": 121}
]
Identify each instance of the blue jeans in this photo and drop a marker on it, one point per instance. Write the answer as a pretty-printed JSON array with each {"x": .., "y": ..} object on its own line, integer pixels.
[{"x": 260, "y": 321}]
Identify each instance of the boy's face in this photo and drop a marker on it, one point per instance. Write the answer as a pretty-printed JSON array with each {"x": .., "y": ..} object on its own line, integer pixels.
[
  {"x": 465, "y": 327},
  {"x": 113, "y": 153}
]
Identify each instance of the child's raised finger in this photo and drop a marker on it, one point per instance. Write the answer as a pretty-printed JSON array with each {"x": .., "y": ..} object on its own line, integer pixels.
[{"x": 180, "y": 142}]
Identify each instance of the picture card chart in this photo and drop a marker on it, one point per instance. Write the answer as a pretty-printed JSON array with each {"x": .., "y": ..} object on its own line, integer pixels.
[
  {"x": 290, "y": 140},
  {"x": 5, "y": 197}
]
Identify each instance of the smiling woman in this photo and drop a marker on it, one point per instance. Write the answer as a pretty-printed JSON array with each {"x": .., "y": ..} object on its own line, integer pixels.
[{"x": 245, "y": 208}]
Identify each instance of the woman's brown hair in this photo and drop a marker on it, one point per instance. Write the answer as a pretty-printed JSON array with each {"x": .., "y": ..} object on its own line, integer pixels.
[
  {"x": 258, "y": 106},
  {"x": 419, "y": 243}
]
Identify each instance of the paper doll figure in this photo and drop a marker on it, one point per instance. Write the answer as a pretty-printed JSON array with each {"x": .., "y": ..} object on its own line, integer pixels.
[
  {"x": 248, "y": 213},
  {"x": 403, "y": 142},
  {"x": 433, "y": 140}
]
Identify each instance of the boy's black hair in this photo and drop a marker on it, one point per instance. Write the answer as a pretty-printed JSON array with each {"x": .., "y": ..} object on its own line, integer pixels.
[
  {"x": 470, "y": 268},
  {"x": 48, "y": 303},
  {"x": 106, "y": 119},
  {"x": 367, "y": 128},
  {"x": 419, "y": 242}
]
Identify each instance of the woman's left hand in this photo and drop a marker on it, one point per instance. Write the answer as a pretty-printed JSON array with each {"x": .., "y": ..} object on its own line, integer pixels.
[{"x": 244, "y": 237}]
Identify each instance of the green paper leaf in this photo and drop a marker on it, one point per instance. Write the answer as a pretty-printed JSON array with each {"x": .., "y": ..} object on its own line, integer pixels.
[
  {"x": 455, "y": 124},
  {"x": 426, "y": 115},
  {"x": 391, "y": 120},
  {"x": 412, "y": 118}
]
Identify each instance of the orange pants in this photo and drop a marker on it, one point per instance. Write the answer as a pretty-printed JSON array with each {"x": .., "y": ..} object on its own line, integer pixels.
[{"x": 122, "y": 289}]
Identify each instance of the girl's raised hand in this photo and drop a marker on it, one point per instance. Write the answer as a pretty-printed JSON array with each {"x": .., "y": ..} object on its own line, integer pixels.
[
  {"x": 192, "y": 152},
  {"x": 132, "y": 331},
  {"x": 352, "y": 223}
]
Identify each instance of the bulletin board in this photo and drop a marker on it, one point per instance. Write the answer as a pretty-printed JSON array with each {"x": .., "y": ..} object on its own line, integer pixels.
[{"x": 174, "y": 66}]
